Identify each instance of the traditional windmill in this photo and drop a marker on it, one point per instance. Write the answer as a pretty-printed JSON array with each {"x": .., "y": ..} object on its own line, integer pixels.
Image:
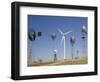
[
  {"x": 53, "y": 37},
  {"x": 32, "y": 36},
  {"x": 84, "y": 32},
  {"x": 72, "y": 41}
]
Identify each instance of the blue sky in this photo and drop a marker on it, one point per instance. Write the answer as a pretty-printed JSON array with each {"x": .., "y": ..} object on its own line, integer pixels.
[{"x": 42, "y": 47}]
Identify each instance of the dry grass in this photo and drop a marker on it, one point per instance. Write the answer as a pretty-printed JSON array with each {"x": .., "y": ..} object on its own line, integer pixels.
[{"x": 60, "y": 62}]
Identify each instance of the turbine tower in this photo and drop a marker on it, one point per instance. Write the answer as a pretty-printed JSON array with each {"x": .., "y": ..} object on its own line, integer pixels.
[{"x": 64, "y": 40}]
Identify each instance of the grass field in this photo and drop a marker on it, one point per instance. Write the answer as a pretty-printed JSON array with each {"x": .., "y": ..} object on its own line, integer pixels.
[{"x": 60, "y": 62}]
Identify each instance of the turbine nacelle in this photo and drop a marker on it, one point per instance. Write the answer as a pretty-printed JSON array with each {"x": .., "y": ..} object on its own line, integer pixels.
[{"x": 64, "y": 33}]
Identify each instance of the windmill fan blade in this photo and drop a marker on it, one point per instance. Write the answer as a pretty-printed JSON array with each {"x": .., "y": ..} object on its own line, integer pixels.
[
  {"x": 68, "y": 32},
  {"x": 60, "y": 31},
  {"x": 62, "y": 39}
]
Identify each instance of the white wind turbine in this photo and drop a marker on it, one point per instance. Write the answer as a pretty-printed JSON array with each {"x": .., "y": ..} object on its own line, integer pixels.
[{"x": 64, "y": 40}]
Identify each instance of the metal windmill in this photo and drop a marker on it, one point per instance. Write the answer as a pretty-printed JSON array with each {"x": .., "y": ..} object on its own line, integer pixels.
[
  {"x": 64, "y": 40},
  {"x": 72, "y": 41},
  {"x": 84, "y": 32},
  {"x": 32, "y": 37},
  {"x": 53, "y": 37}
]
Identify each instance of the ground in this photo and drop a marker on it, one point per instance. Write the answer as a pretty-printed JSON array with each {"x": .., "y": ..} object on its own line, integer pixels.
[{"x": 60, "y": 62}]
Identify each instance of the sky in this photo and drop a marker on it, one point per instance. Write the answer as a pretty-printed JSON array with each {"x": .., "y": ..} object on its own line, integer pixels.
[{"x": 42, "y": 47}]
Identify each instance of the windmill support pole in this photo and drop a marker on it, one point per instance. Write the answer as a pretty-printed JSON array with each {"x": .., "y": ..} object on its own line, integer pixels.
[
  {"x": 30, "y": 54},
  {"x": 72, "y": 51},
  {"x": 77, "y": 55},
  {"x": 83, "y": 44},
  {"x": 83, "y": 40},
  {"x": 64, "y": 49},
  {"x": 54, "y": 49}
]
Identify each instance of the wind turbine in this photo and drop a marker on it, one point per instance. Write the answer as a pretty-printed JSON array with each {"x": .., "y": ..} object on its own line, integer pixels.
[{"x": 64, "y": 40}]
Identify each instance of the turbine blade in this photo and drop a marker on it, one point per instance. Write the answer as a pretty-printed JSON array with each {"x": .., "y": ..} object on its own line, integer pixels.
[
  {"x": 62, "y": 39},
  {"x": 68, "y": 32},
  {"x": 60, "y": 31}
]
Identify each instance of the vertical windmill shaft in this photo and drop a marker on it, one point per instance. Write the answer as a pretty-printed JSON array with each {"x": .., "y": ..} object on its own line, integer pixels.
[
  {"x": 53, "y": 50},
  {"x": 72, "y": 51},
  {"x": 30, "y": 55},
  {"x": 83, "y": 40},
  {"x": 72, "y": 47},
  {"x": 77, "y": 54},
  {"x": 64, "y": 48}
]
